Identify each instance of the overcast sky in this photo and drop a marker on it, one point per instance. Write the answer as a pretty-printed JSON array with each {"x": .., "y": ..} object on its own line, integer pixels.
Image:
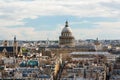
[{"x": 42, "y": 19}]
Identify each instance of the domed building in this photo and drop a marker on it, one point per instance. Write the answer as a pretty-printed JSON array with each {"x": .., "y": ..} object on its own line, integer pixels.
[{"x": 66, "y": 38}]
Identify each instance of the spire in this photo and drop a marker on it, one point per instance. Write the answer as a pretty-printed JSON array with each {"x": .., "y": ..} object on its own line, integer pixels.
[
  {"x": 97, "y": 39},
  {"x": 14, "y": 38},
  {"x": 66, "y": 24}
]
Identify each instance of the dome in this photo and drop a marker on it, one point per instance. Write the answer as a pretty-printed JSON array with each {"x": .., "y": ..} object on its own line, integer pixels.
[
  {"x": 66, "y": 38},
  {"x": 67, "y": 28}
]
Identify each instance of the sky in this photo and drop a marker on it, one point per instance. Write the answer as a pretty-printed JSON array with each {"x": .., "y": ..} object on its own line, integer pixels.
[{"x": 45, "y": 19}]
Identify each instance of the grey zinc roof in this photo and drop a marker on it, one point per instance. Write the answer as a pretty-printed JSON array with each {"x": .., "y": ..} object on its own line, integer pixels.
[{"x": 98, "y": 53}]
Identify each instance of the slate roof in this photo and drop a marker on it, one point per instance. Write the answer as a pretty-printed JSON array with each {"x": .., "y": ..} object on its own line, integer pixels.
[{"x": 8, "y": 48}]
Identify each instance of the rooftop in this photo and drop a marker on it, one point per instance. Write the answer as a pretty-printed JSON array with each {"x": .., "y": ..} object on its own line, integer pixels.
[{"x": 98, "y": 53}]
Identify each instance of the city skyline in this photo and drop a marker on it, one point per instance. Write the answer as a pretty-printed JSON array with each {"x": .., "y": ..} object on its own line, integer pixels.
[{"x": 41, "y": 20}]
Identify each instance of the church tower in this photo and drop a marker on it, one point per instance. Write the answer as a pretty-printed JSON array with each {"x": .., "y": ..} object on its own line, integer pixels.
[
  {"x": 66, "y": 38},
  {"x": 98, "y": 45},
  {"x": 15, "y": 46}
]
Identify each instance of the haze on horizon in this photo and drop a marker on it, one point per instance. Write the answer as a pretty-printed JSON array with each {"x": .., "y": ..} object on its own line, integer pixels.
[{"x": 43, "y": 19}]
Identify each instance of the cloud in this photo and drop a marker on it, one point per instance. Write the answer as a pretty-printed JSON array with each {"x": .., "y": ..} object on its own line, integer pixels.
[
  {"x": 32, "y": 9},
  {"x": 17, "y": 10},
  {"x": 28, "y": 33},
  {"x": 103, "y": 30},
  {"x": 13, "y": 13}
]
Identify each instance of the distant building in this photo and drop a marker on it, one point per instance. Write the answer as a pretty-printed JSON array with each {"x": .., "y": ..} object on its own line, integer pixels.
[
  {"x": 98, "y": 45},
  {"x": 66, "y": 38},
  {"x": 115, "y": 70},
  {"x": 5, "y": 43},
  {"x": 10, "y": 50}
]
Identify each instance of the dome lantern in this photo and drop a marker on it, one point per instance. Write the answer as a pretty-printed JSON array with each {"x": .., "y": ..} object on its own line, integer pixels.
[{"x": 66, "y": 24}]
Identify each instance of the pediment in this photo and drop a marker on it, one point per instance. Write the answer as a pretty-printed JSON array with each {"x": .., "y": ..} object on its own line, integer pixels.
[{"x": 4, "y": 50}]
